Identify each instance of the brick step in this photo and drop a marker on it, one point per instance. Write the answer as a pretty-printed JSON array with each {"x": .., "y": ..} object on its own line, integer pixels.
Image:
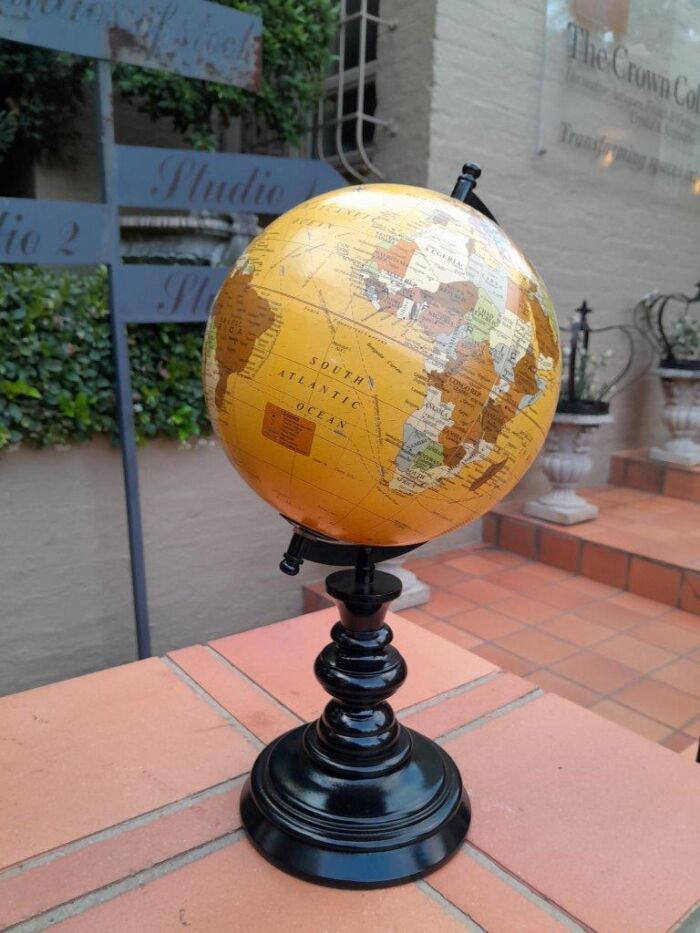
[
  {"x": 634, "y": 470},
  {"x": 645, "y": 543}
]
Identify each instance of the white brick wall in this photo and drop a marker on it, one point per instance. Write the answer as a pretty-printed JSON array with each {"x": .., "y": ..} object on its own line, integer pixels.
[{"x": 589, "y": 236}]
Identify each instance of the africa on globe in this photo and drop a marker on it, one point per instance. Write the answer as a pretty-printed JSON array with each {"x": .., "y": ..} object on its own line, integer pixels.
[{"x": 382, "y": 364}]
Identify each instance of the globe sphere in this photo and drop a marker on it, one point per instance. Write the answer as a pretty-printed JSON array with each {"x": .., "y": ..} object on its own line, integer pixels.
[{"x": 382, "y": 364}]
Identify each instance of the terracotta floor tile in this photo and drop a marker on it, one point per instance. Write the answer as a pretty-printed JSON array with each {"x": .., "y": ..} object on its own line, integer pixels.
[
  {"x": 634, "y": 653},
  {"x": 416, "y": 563},
  {"x": 280, "y": 659},
  {"x": 247, "y": 703},
  {"x": 659, "y": 701},
  {"x": 553, "y": 683},
  {"x": 475, "y": 565},
  {"x": 595, "y": 671},
  {"x": 517, "y": 579},
  {"x": 594, "y": 589},
  {"x": 109, "y": 860},
  {"x": 623, "y": 716},
  {"x": 444, "y": 557},
  {"x": 690, "y": 592},
  {"x": 561, "y": 596},
  {"x": 439, "y": 575},
  {"x": 576, "y": 629},
  {"x": 639, "y": 604},
  {"x": 604, "y": 564},
  {"x": 585, "y": 796},
  {"x": 691, "y": 752},
  {"x": 504, "y": 558},
  {"x": 485, "y": 623},
  {"x": 505, "y": 659},
  {"x": 92, "y": 731},
  {"x": 456, "y": 635},
  {"x": 536, "y": 646},
  {"x": 650, "y": 579},
  {"x": 683, "y": 484},
  {"x": 481, "y": 591},
  {"x": 490, "y": 529},
  {"x": 682, "y": 674},
  {"x": 443, "y": 604},
  {"x": 489, "y": 901},
  {"x": 558, "y": 550},
  {"x": 549, "y": 574},
  {"x": 202, "y": 897},
  {"x": 671, "y": 637},
  {"x": 417, "y": 615},
  {"x": 468, "y": 706},
  {"x": 526, "y": 610},
  {"x": 517, "y": 536},
  {"x": 679, "y": 741},
  {"x": 611, "y": 616},
  {"x": 683, "y": 619}
]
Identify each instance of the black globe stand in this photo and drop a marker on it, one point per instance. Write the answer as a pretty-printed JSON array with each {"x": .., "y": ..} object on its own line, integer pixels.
[{"x": 356, "y": 799}]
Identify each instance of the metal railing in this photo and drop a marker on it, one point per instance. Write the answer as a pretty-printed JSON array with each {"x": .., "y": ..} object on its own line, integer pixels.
[{"x": 350, "y": 151}]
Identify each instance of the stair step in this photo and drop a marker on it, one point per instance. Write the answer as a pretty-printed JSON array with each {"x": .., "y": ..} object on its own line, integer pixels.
[
  {"x": 645, "y": 543},
  {"x": 634, "y": 470}
]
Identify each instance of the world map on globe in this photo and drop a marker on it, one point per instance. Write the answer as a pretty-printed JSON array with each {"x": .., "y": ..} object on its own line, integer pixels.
[{"x": 382, "y": 364}]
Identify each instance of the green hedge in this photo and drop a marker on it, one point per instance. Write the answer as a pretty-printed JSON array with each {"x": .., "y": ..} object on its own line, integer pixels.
[{"x": 56, "y": 364}]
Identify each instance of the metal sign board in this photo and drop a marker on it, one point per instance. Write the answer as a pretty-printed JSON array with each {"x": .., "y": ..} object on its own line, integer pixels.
[
  {"x": 194, "y": 38},
  {"x": 165, "y": 294},
  {"x": 174, "y": 179},
  {"x": 54, "y": 232}
]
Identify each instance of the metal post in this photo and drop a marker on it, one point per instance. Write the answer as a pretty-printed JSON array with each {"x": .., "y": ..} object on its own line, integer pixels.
[{"x": 125, "y": 412}]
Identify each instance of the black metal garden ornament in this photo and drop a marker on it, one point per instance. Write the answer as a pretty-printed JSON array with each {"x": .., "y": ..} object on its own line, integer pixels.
[
  {"x": 671, "y": 324},
  {"x": 585, "y": 387}
]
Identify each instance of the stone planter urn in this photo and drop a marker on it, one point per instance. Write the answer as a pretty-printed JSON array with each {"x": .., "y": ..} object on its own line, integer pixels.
[
  {"x": 414, "y": 592},
  {"x": 566, "y": 461},
  {"x": 201, "y": 237},
  {"x": 681, "y": 416}
]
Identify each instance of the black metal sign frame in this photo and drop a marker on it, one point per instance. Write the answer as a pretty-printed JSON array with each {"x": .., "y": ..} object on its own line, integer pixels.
[{"x": 65, "y": 233}]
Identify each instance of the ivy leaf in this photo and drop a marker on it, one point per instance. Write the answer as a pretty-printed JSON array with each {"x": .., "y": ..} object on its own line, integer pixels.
[{"x": 17, "y": 388}]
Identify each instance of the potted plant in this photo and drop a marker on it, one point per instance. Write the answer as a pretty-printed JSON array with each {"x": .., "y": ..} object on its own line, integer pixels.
[
  {"x": 671, "y": 324},
  {"x": 584, "y": 405}
]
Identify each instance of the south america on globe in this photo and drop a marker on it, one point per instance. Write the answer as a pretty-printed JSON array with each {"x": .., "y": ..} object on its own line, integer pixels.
[{"x": 382, "y": 364}]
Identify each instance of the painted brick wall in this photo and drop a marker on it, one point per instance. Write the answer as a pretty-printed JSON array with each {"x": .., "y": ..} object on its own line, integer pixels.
[{"x": 589, "y": 236}]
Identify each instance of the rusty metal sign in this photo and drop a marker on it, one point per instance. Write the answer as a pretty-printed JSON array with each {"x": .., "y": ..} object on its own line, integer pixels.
[
  {"x": 194, "y": 38},
  {"x": 224, "y": 182}
]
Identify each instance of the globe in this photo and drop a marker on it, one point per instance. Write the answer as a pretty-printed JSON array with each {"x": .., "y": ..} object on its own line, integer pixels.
[{"x": 382, "y": 364}]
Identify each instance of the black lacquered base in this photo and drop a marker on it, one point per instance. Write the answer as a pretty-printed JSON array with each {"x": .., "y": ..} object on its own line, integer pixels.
[{"x": 358, "y": 826}]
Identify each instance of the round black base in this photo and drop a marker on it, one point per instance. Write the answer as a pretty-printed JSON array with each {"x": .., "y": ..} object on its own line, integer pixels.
[{"x": 379, "y": 826}]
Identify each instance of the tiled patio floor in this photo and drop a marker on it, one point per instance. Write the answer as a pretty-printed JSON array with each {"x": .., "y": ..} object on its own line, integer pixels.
[
  {"x": 119, "y": 790},
  {"x": 645, "y": 543},
  {"x": 631, "y": 659}
]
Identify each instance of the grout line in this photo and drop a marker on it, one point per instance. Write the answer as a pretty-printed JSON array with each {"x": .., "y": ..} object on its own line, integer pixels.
[
  {"x": 448, "y": 694},
  {"x": 449, "y": 908},
  {"x": 115, "y": 831},
  {"x": 254, "y": 683},
  {"x": 490, "y": 716},
  {"x": 224, "y": 661},
  {"x": 540, "y": 900},
  {"x": 108, "y": 892},
  {"x": 210, "y": 701}
]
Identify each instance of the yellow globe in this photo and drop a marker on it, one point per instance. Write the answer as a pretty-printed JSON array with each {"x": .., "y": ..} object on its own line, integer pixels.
[{"x": 382, "y": 364}]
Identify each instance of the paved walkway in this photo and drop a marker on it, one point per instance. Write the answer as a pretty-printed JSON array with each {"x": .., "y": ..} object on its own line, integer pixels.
[
  {"x": 119, "y": 790},
  {"x": 631, "y": 659}
]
